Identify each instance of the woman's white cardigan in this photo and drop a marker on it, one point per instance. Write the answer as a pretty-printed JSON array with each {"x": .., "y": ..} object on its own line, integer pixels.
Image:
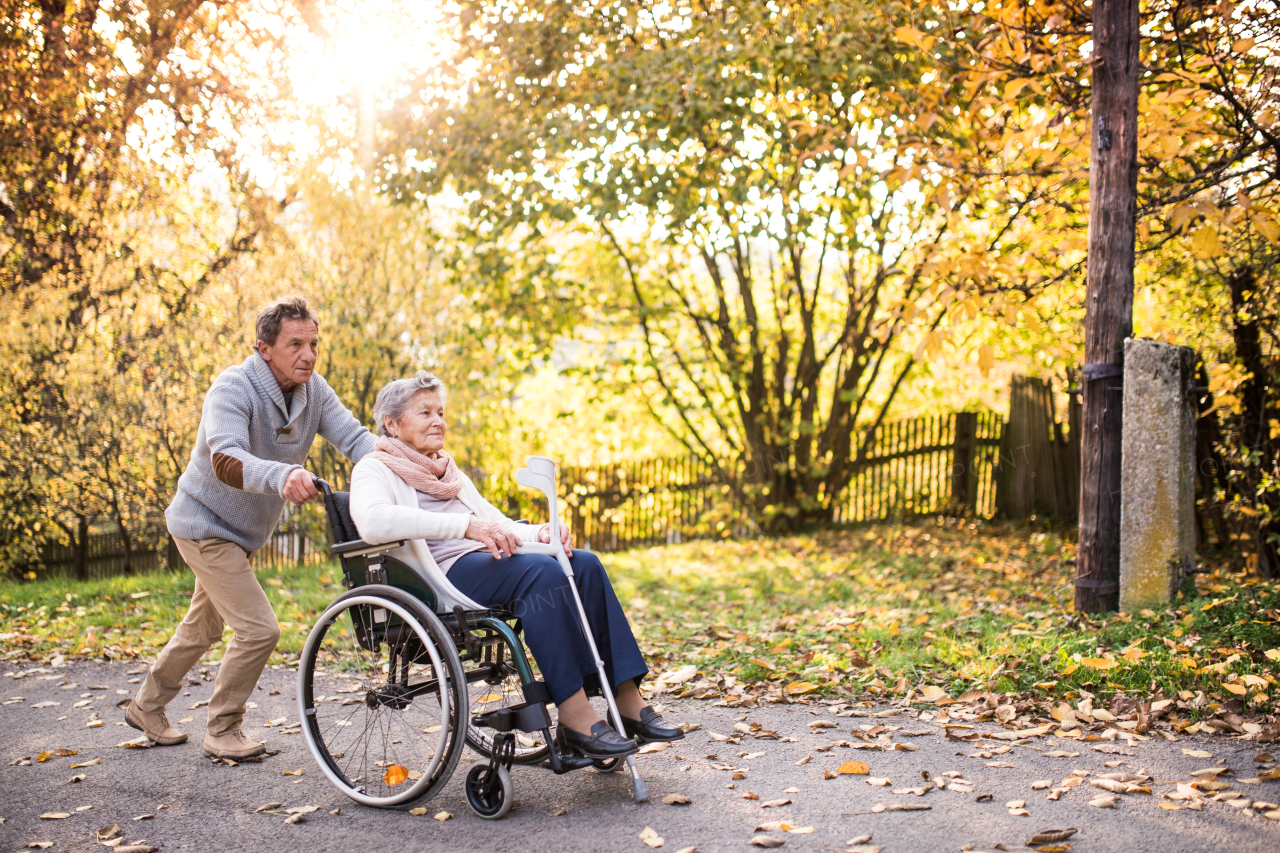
[{"x": 385, "y": 509}]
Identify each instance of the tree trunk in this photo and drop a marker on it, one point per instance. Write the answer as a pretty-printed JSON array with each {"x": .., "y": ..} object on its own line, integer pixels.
[
  {"x": 1113, "y": 187},
  {"x": 1255, "y": 434}
]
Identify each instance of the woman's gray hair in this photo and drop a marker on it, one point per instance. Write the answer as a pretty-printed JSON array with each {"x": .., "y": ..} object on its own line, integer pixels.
[{"x": 394, "y": 398}]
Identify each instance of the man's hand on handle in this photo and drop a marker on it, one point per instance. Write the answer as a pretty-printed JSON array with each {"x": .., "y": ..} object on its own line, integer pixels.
[
  {"x": 495, "y": 537},
  {"x": 299, "y": 489},
  {"x": 566, "y": 538}
]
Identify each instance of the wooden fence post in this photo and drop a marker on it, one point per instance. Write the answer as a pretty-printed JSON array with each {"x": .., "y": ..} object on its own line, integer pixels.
[{"x": 962, "y": 461}]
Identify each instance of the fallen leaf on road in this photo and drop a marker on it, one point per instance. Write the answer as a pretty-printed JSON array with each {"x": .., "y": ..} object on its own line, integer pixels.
[
  {"x": 651, "y": 838},
  {"x": 136, "y": 848},
  {"x": 983, "y": 798},
  {"x": 854, "y": 768},
  {"x": 1104, "y": 801},
  {"x": 298, "y": 772},
  {"x": 108, "y": 832},
  {"x": 294, "y": 818},
  {"x": 395, "y": 775},
  {"x": 302, "y": 809},
  {"x": 750, "y": 795},
  {"x": 337, "y": 811},
  {"x": 877, "y": 782},
  {"x": 1263, "y": 757},
  {"x": 802, "y": 762},
  {"x": 908, "y": 807},
  {"x": 418, "y": 811},
  {"x": 95, "y": 762},
  {"x": 677, "y": 799},
  {"x": 653, "y": 747},
  {"x": 1112, "y": 749},
  {"x": 267, "y": 807},
  {"x": 864, "y": 848},
  {"x": 144, "y": 817},
  {"x": 790, "y": 790},
  {"x": 54, "y": 815},
  {"x": 442, "y": 816},
  {"x": 1173, "y": 807},
  {"x": 1041, "y": 785},
  {"x": 773, "y": 804},
  {"x": 765, "y": 841},
  {"x": 40, "y": 845},
  {"x": 1019, "y": 812},
  {"x": 1062, "y": 753},
  {"x": 79, "y": 777},
  {"x": 1051, "y": 836},
  {"x": 687, "y": 850},
  {"x": 186, "y": 719},
  {"x": 1197, "y": 753},
  {"x": 906, "y": 747}
]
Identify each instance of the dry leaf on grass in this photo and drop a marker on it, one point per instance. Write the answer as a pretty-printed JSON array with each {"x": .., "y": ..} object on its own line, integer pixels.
[
  {"x": 651, "y": 838},
  {"x": 854, "y": 768},
  {"x": 677, "y": 799},
  {"x": 765, "y": 841}
]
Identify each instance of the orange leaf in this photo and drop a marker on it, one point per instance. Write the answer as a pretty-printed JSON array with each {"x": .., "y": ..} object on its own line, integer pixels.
[
  {"x": 761, "y": 662},
  {"x": 855, "y": 768},
  {"x": 395, "y": 774}
]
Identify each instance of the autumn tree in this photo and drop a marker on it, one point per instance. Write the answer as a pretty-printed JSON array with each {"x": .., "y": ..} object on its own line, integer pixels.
[
  {"x": 753, "y": 169},
  {"x": 108, "y": 111}
]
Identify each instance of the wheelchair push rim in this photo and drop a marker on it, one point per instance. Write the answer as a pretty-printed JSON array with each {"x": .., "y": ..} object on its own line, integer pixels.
[{"x": 389, "y": 734}]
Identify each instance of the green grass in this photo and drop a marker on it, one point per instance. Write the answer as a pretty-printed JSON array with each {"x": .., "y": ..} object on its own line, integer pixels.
[{"x": 881, "y": 609}]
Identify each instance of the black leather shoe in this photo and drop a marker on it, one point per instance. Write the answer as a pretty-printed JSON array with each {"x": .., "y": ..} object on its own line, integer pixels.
[
  {"x": 602, "y": 743},
  {"x": 651, "y": 728}
]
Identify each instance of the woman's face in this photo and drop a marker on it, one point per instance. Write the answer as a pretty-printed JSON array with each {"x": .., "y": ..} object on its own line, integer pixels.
[{"x": 422, "y": 425}]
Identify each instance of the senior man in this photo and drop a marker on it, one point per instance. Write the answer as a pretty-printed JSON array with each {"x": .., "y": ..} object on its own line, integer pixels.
[{"x": 256, "y": 428}]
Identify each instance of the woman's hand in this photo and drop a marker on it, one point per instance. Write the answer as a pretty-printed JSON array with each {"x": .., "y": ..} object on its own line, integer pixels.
[
  {"x": 566, "y": 538},
  {"x": 495, "y": 537}
]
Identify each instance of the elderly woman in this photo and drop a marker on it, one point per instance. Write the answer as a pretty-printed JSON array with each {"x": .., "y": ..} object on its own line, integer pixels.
[{"x": 410, "y": 488}]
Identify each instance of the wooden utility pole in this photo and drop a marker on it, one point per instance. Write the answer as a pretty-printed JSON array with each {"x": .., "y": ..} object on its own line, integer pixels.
[{"x": 1113, "y": 190}]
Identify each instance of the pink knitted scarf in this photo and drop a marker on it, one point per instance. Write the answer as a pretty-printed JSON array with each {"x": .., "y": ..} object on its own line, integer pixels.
[{"x": 437, "y": 477}]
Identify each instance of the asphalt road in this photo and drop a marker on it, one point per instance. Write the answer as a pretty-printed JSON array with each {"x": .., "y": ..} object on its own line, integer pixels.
[{"x": 195, "y": 804}]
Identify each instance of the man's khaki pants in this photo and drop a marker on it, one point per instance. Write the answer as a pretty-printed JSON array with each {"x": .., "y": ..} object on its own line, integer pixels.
[{"x": 226, "y": 589}]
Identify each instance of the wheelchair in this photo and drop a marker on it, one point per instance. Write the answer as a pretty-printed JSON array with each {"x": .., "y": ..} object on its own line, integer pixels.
[{"x": 392, "y": 686}]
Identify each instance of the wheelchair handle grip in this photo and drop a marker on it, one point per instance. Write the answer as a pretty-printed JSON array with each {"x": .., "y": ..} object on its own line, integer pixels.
[{"x": 321, "y": 486}]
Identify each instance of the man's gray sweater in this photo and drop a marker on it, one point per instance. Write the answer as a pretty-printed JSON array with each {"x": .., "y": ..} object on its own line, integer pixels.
[{"x": 249, "y": 442}]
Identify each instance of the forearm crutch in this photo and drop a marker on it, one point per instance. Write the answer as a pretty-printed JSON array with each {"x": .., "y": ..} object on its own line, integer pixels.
[{"x": 541, "y": 475}]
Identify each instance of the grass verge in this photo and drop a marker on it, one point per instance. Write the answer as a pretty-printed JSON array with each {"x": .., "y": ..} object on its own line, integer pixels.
[{"x": 881, "y": 610}]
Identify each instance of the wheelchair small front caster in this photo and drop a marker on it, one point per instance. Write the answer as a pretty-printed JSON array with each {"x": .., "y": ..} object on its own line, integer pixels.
[
  {"x": 608, "y": 765},
  {"x": 489, "y": 791}
]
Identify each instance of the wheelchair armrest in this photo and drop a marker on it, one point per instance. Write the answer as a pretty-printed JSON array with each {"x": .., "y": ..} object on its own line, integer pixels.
[{"x": 361, "y": 548}]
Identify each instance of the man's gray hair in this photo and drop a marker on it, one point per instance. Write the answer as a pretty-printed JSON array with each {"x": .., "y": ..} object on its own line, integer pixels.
[{"x": 394, "y": 398}]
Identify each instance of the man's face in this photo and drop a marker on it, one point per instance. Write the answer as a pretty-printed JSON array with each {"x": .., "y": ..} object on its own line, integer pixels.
[{"x": 292, "y": 358}]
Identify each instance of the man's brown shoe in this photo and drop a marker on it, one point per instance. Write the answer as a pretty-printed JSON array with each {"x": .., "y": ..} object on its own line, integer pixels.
[
  {"x": 155, "y": 726},
  {"x": 233, "y": 745}
]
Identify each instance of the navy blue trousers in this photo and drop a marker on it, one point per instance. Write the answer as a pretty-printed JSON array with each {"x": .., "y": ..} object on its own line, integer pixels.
[{"x": 535, "y": 589}]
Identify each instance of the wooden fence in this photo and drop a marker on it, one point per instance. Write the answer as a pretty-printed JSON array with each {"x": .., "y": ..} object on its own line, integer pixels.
[{"x": 967, "y": 463}]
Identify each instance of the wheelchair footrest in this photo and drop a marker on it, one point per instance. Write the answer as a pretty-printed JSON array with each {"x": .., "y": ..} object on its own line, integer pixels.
[{"x": 529, "y": 717}]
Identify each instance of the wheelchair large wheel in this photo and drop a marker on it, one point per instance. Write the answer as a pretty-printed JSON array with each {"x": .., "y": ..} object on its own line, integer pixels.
[
  {"x": 382, "y": 697},
  {"x": 501, "y": 689}
]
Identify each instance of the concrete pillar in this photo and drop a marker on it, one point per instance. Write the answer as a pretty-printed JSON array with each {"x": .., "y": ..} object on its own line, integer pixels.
[{"x": 1158, "y": 458}]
